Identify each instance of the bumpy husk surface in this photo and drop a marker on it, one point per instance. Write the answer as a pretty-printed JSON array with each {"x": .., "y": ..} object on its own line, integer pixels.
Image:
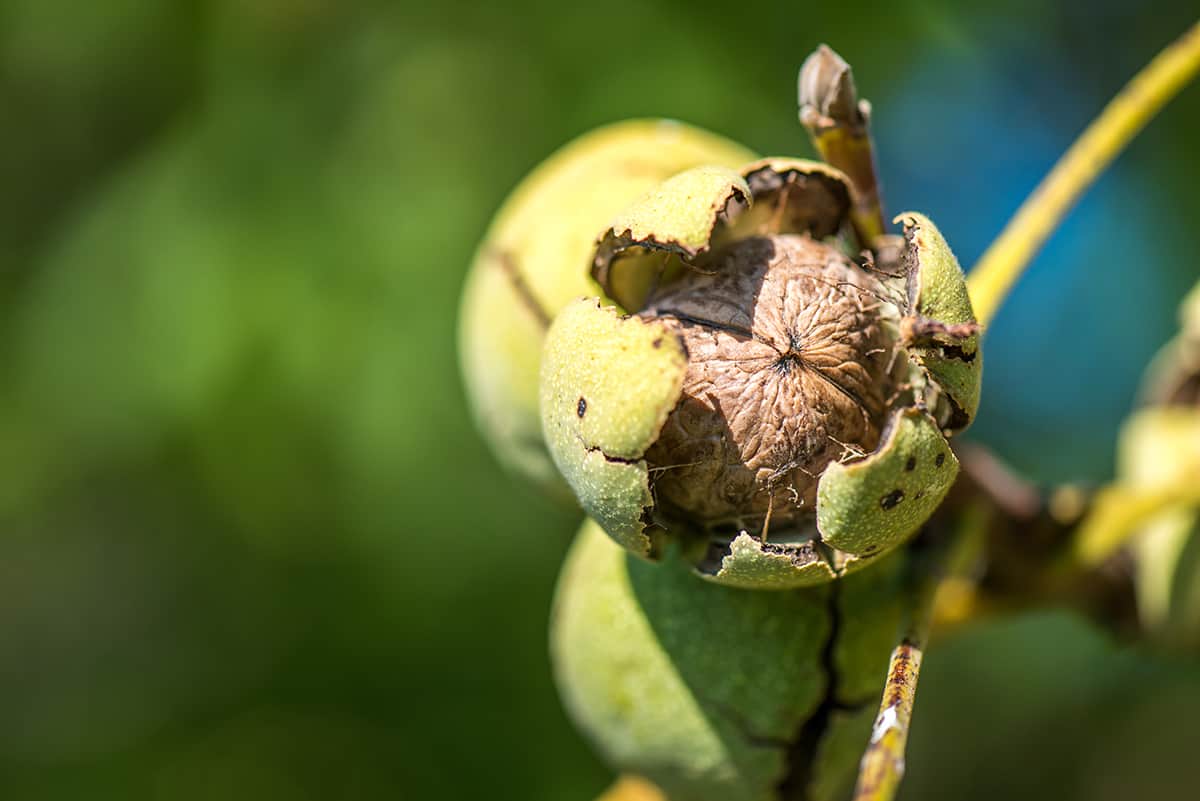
[
  {"x": 715, "y": 693},
  {"x": 535, "y": 258}
]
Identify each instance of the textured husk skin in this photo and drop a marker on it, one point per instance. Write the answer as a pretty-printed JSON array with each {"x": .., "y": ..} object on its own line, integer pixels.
[
  {"x": 545, "y": 233},
  {"x": 608, "y": 383},
  {"x": 704, "y": 689},
  {"x": 937, "y": 290},
  {"x": 873, "y": 505}
]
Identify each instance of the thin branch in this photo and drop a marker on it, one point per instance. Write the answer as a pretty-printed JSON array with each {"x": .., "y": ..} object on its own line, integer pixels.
[
  {"x": 1028, "y": 550},
  {"x": 882, "y": 765},
  {"x": 1119, "y": 122}
]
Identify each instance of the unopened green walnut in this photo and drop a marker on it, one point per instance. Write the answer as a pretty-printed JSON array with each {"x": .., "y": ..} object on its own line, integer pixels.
[{"x": 716, "y": 693}]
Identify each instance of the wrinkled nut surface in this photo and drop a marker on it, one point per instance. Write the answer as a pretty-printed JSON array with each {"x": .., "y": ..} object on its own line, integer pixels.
[{"x": 788, "y": 371}]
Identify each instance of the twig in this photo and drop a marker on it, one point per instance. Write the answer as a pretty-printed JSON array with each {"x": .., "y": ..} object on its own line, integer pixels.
[
  {"x": 839, "y": 125},
  {"x": 1119, "y": 122},
  {"x": 1030, "y": 554},
  {"x": 882, "y": 765}
]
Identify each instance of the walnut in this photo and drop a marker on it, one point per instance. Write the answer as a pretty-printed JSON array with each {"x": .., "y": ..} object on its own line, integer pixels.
[
  {"x": 743, "y": 377},
  {"x": 789, "y": 347}
]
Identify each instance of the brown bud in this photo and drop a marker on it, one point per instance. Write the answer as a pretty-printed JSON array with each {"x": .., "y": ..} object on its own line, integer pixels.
[{"x": 826, "y": 91}]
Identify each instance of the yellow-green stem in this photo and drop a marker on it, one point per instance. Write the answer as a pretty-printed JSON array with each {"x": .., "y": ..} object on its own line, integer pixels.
[
  {"x": 882, "y": 766},
  {"x": 1119, "y": 122}
]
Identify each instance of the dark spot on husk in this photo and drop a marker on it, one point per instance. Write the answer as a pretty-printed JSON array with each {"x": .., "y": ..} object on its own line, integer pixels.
[
  {"x": 581, "y": 407},
  {"x": 940, "y": 460},
  {"x": 911, "y": 464},
  {"x": 892, "y": 499}
]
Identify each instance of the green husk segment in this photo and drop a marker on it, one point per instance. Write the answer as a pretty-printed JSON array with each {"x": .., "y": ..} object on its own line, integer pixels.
[
  {"x": 874, "y": 504},
  {"x": 608, "y": 383},
  {"x": 753, "y": 564},
  {"x": 795, "y": 196},
  {"x": 698, "y": 687},
  {"x": 937, "y": 290},
  {"x": 676, "y": 218},
  {"x": 535, "y": 258},
  {"x": 706, "y": 690}
]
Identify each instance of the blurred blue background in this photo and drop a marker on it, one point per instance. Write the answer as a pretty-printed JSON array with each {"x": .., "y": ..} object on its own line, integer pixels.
[{"x": 253, "y": 547}]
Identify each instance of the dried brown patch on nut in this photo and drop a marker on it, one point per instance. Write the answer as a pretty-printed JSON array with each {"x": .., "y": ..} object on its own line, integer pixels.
[{"x": 789, "y": 355}]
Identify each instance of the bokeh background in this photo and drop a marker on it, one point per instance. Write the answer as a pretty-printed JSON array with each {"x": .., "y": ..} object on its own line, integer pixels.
[{"x": 252, "y": 546}]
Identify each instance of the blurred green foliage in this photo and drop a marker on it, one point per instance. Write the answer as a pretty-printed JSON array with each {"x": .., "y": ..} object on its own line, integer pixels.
[{"x": 252, "y": 547}]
